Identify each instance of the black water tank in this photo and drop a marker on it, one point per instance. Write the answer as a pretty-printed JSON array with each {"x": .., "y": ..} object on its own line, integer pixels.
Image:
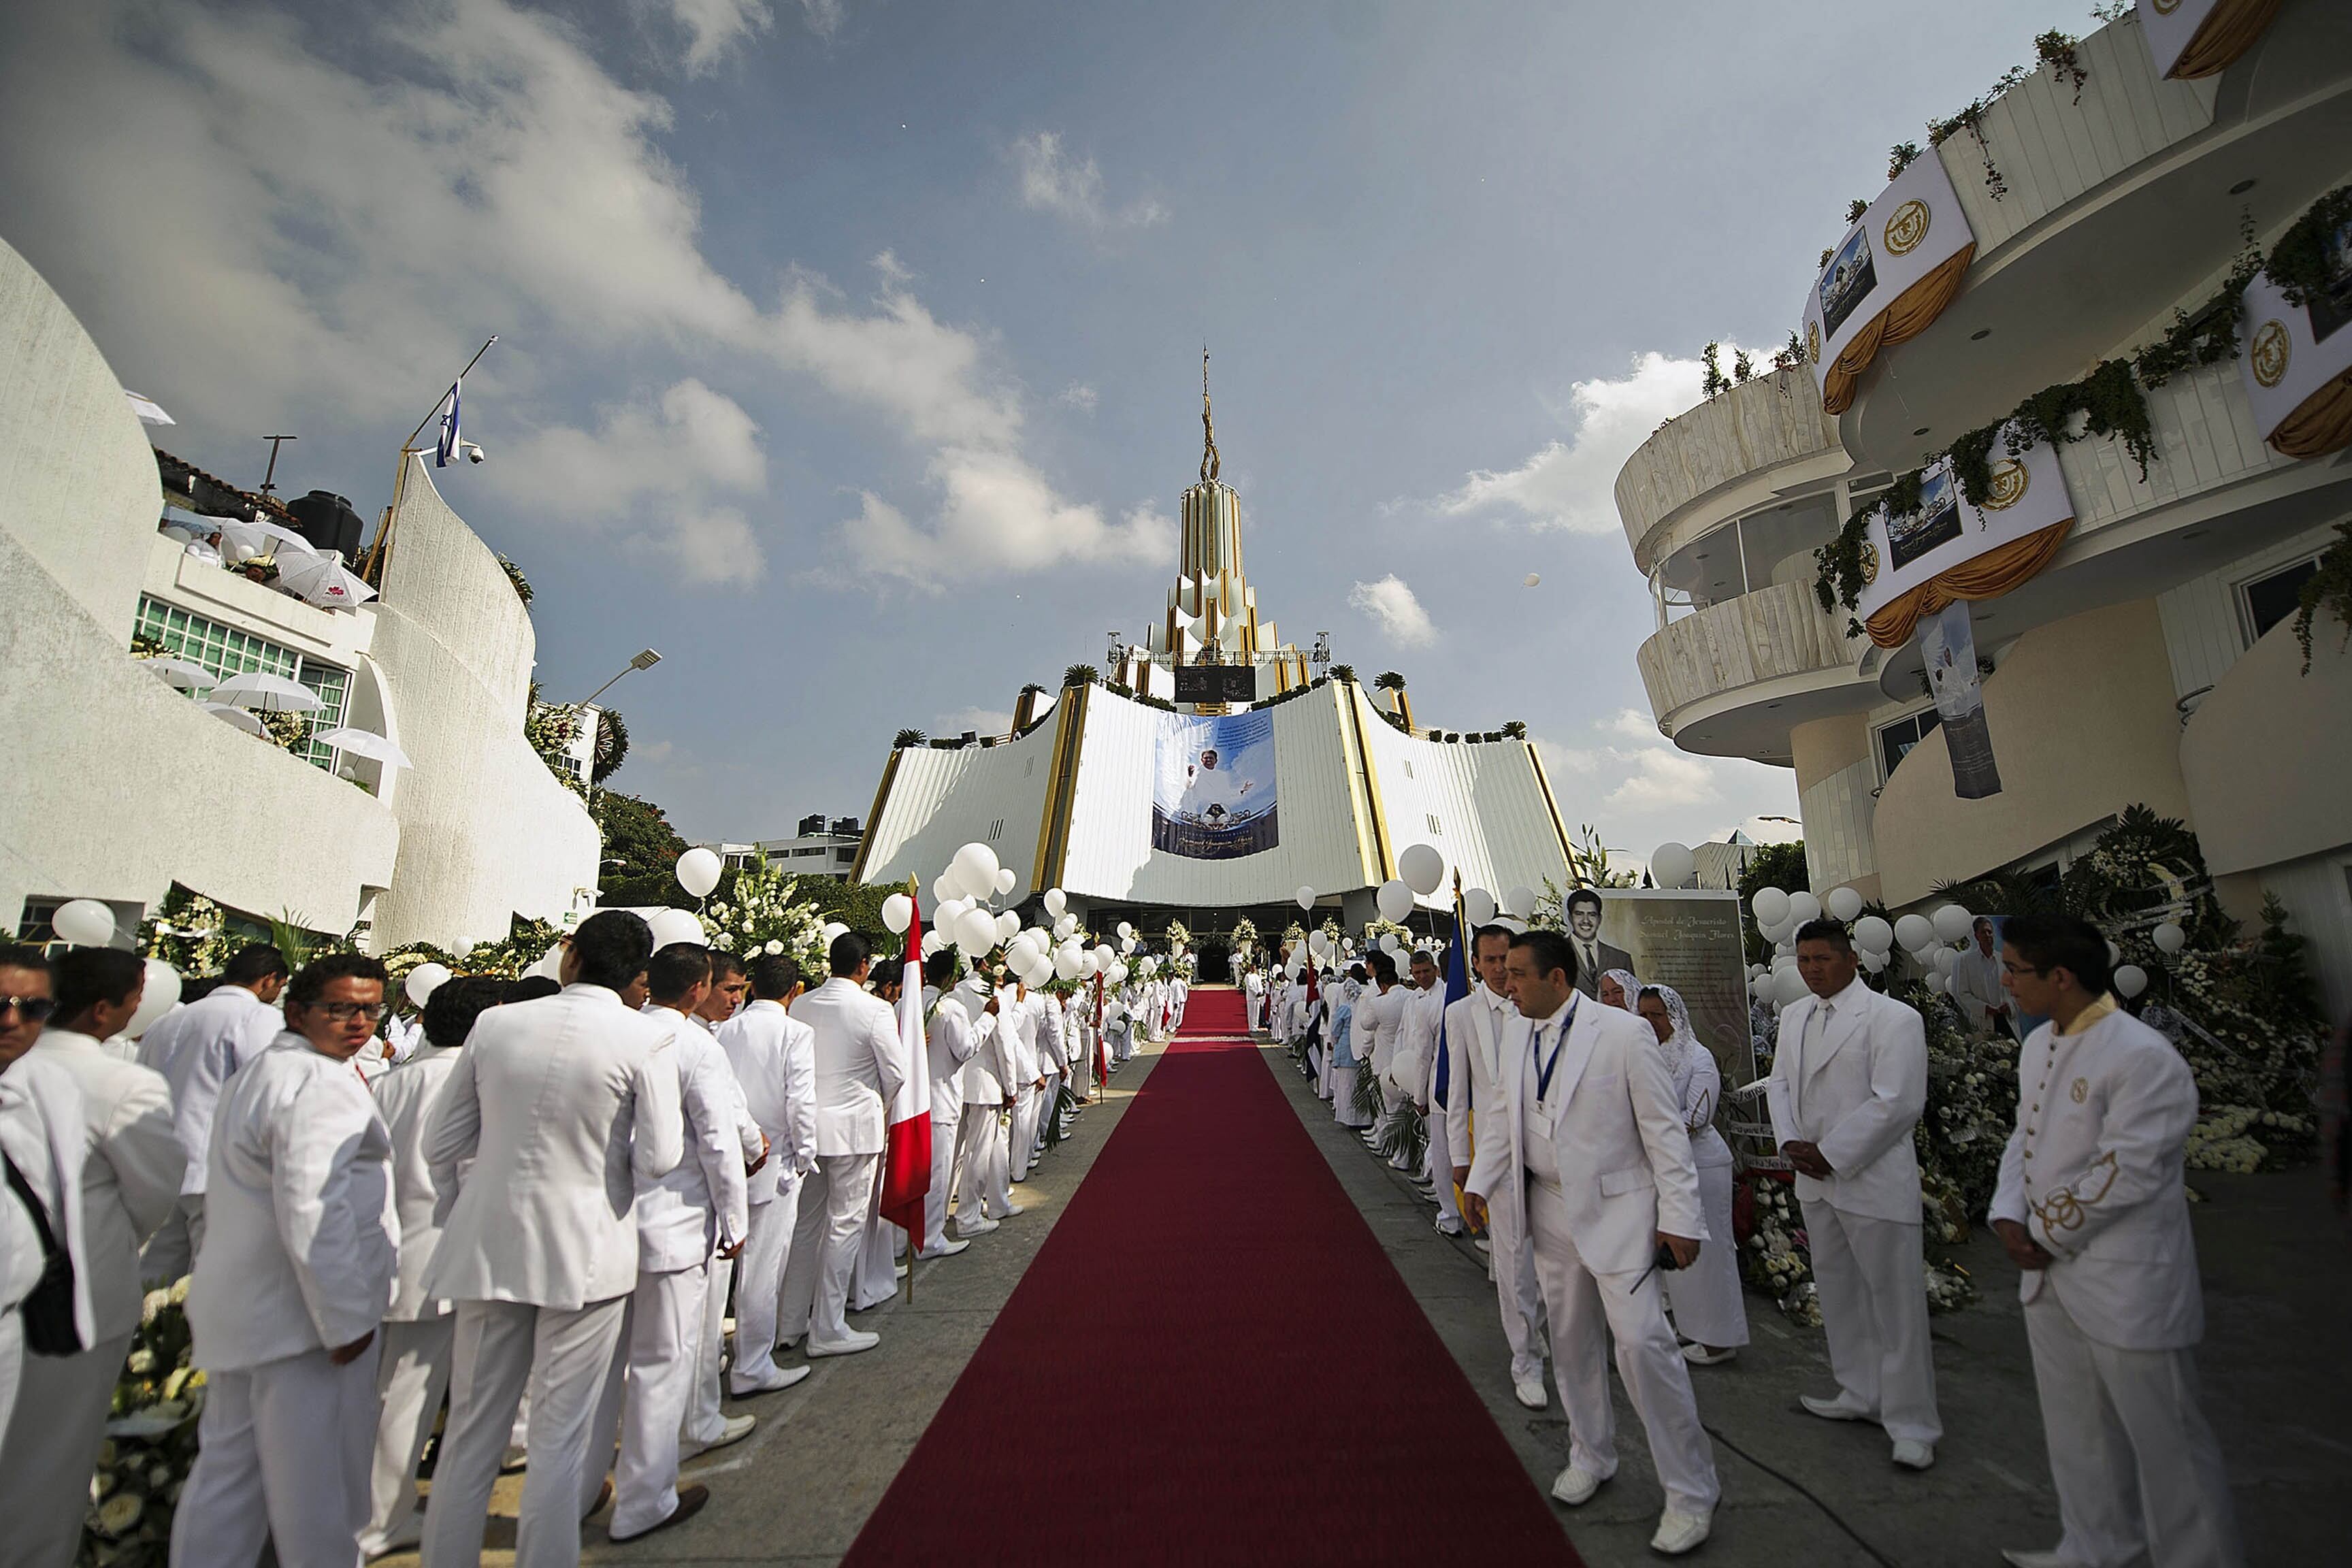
[{"x": 327, "y": 522}]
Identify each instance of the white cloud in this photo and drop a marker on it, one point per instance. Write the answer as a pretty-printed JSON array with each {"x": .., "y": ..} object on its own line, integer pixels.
[
  {"x": 1640, "y": 791},
  {"x": 896, "y": 358},
  {"x": 717, "y": 28},
  {"x": 1071, "y": 188},
  {"x": 823, "y": 16},
  {"x": 1571, "y": 483},
  {"x": 1391, "y": 602},
  {"x": 1078, "y": 396},
  {"x": 997, "y": 517},
  {"x": 980, "y": 720}
]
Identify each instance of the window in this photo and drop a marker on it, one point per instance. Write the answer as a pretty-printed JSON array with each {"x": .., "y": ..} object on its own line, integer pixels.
[
  {"x": 2268, "y": 600},
  {"x": 845, "y": 857},
  {"x": 1435, "y": 831},
  {"x": 1896, "y": 740},
  {"x": 225, "y": 651},
  {"x": 996, "y": 830},
  {"x": 1408, "y": 767}
]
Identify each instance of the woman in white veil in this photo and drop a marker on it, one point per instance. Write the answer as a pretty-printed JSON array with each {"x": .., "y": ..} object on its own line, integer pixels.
[
  {"x": 1617, "y": 988},
  {"x": 1706, "y": 1296}
]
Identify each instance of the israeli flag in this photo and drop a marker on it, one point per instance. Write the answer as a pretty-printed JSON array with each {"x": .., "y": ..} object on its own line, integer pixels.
[{"x": 450, "y": 439}]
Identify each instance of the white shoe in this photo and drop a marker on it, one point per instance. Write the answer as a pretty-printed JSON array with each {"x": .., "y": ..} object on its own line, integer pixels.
[
  {"x": 1485, "y": 1245},
  {"x": 405, "y": 1533},
  {"x": 1575, "y": 1487},
  {"x": 948, "y": 1247},
  {"x": 1529, "y": 1392},
  {"x": 2020, "y": 1557},
  {"x": 975, "y": 1227},
  {"x": 1010, "y": 1210},
  {"x": 1835, "y": 1409},
  {"x": 1679, "y": 1533},
  {"x": 733, "y": 1430},
  {"x": 1699, "y": 1355},
  {"x": 849, "y": 1345},
  {"x": 1913, "y": 1455},
  {"x": 772, "y": 1377}
]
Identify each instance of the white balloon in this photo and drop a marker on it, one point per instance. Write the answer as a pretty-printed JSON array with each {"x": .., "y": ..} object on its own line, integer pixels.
[
  {"x": 1478, "y": 905},
  {"x": 1873, "y": 961},
  {"x": 422, "y": 981},
  {"x": 550, "y": 963},
  {"x": 974, "y": 866},
  {"x": 1008, "y": 925},
  {"x": 1914, "y": 933},
  {"x": 1952, "y": 922},
  {"x": 1124, "y": 930},
  {"x": 1057, "y": 901},
  {"x": 1021, "y": 952},
  {"x": 1422, "y": 869},
  {"x": 1789, "y": 987},
  {"x": 829, "y": 930},
  {"x": 162, "y": 994},
  {"x": 2169, "y": 938},
  {"x": 1305, "y": 896},
  {"x": 945, "y": 889},
  {"x": 1521, "y": 902},
  {"x": 1389, "y": 943},
  {"x": 1104, "y": 955},
  {"x": 1066, "y": 925},
  {"x": 675, "y": 925},
  {"x": 1317, "y": 941},
  {"x": 1803, "y": 907},
  {"x": 1532, "y": 579},
  {"x": 1068, "y": 964},
  {"x": 1770, "y": 906},
  {"x": 934, "y": 939},
  {"x": 2130, "y": 981},
  {"x": 898, "y": 913},
  {"x": 1116, "y": 975},
  {"x": 1872, "y": 934},
  {"x": 1395, "y": 901},
  {"x": 1844, "y": 903},
  {"x": 2115, "y": 955},
  {"x": 1006, "y": 880},
  {"x": 975, "y": 932},
  {"x": 1672, "y": 864},
  {"x": 697, "y": 872},
  {"x": 1936, "y": 982},
  {"x": 85, "y": 923},
  {"x": 1944, "y": 959}
]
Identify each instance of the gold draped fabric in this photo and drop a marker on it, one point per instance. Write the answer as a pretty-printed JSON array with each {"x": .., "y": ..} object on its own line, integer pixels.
[
  {"x": 1988, "y": 577},
  {"x": 1904, "y": 320},
  {"x": 2228, "y": 33},
  {"x": 2320, "y": 424}
]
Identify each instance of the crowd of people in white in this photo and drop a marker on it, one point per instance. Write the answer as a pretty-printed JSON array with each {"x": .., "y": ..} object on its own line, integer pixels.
[
  {"x": 1569, "y": 1122},
  {"x": 537, "y": 1203}
]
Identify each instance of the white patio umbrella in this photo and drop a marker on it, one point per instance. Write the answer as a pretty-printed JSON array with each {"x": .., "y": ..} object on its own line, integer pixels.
[
  {"x": 364, "y": 743},
  {"x": 323, "y": 580},
  {"x": 243, "y": 541},
  {"x": 182, "y": 673},
  {"x": 236, "y": 717},
  {"x": 270, "y": 693}
]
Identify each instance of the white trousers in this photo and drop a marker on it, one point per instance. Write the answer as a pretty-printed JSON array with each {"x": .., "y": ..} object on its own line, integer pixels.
[
  {"x": 760, "y": 1281},
  {"x": 2139, "y": 1472},
  {"x": 985, "y": 1190},
  {"x": 1439, "y": 1169},
  {"x": 1511, "y": 1264},
  {"x": 283, "y": 1457},
  {"x": 51, "y": 1449},
  {"x": 563, "y": 1356},
  {"x": 646, "y": 1395},
  {"x": 703, "y": 1424},
  {"x": 1706, "y": 1296},
  {"x": 1588, "y": 1310},
  {"x": 835, "y": 1200},
  {"x": 1021, "y": 1147},
  {"x": 876, "y": 1278},
  {"x": 1873, "y": 1296},
  {"x": 947, "y": 1117},
  {"x": 12, "y": 1361},
  {"x": 412, "y": 1374}
]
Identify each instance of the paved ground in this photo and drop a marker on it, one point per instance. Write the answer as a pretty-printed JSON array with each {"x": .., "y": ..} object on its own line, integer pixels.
[{"x": 2278, "y": 1383}]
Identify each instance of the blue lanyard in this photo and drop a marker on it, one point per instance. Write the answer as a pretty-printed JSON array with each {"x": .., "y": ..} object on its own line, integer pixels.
[{"x": 1544, "y": 1069}]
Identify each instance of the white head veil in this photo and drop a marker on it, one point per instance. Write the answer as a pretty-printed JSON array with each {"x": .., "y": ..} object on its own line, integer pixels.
[
  {"x": 1678, "y": 1048},
  {"x": 1626, "y": 982}
]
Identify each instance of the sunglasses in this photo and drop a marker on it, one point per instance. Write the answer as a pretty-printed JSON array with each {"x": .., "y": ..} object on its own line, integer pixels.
[
  {"x": 344, "y": 1012},
  {"x": 35, "y": 1009}
]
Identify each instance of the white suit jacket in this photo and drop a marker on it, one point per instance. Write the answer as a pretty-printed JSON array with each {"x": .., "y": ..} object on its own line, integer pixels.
[
  {"x": 2104, "y": 1116},
  {"x": 44, "y": 1129},
  {"x": 700, "y": 1205},
  {"x": 984, "y": 1069},
  {"x": 562, "y": 1103},
  {"x": 1016, "y": 1031},
  {"x": 403, "y": 1098},
  {"x": 949, "y": 1042},
  {"x": 301, "y": 1241},
  {"x": 860, "y": 1065},
  {"x": 1416, "y": 1052},
  {"x": 774, "y": 1058},
  {"x": 1379, "y": 1015},
  {"x": 197, "y": 1049},
  {"x": 1858, "y": 1097},
  {"x": 1052, "y": 1050},
  {"x": 1622, "y": 1159},
  {"x": 1471, "y": 1084},
  {"x": 131, "y": 1168}
]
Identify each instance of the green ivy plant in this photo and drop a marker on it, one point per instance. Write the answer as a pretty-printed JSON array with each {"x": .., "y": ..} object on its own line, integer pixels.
[
  {"x": 2330, "y": 589},
  {"x": 2300, "y": 263}
]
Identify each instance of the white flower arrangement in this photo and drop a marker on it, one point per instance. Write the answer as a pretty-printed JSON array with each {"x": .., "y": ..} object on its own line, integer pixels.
[
  {"x": 150, "y": 1440},
  {"x": 761, "y": 917}
]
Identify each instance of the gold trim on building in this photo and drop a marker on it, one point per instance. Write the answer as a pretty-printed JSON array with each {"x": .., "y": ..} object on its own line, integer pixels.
[
  {"x": 1551, "y": 802},
  {"x": 873, "y": 817},
  {"x": 1061, "y": 790}
]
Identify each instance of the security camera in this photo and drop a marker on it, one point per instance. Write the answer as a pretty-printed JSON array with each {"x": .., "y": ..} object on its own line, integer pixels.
[{"x": 473, "y": 453}]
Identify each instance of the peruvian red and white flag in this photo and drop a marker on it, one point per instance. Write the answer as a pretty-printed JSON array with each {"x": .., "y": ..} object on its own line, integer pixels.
[{"x": 906, "y": 1156}]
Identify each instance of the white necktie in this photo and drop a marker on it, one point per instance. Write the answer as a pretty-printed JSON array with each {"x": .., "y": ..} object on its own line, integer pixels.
[{"x": 1817, "y": 1028}]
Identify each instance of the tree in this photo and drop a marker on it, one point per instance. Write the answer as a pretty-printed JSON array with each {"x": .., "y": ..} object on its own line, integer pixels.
[
  {"x": 1346, "y": 672},
  {"x": 1388, "y": 680},
  {"x": 641, "y": 851},
  {"x": 1516, "y": 730},
  {"x": 1080, "y": 675},
  {"x": 908, "y": 738}
]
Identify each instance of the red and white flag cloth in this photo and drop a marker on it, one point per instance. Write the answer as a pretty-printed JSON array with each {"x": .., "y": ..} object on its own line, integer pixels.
[
  {"x": 1102, "y": 1045},
  {"x": 907, "y": 1151}
]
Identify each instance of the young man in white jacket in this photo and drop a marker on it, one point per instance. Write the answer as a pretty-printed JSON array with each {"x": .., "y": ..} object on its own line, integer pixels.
[
  {"x": 291, "y": 1287},
  {"x": 2093, "y": 1209}
]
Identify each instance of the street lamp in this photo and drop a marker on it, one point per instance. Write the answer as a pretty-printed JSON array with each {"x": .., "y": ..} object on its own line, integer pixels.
[{"x": 645, "y": 659}]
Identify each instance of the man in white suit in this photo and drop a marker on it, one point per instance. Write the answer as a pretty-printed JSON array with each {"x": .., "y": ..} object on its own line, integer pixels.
[
  {"x": 413, "y": 1360},
  {"x": 1848, "y": 1078},
  {"x": 950, "y": 1041},
  {"x": 1475, "y": 1028},
  {"x": 562, "y": 1104},
  {"x": 1017, "y": 1026},
  {"x": 1591, "y": 1134},
  {"x": 197, "y": 1049},
  {"x": 859, "y": 1069},
  {"x": 2091, "y": 1207},
  {"x": 296, "y": 1273},
  {"x": 1380, "y": 1020},
  {"x": 984, "y": 1194},
  {"x": 706, "y": 1426},
  {"x": 130, "y": 1174},
  {"x": 774, "y": 1058}
]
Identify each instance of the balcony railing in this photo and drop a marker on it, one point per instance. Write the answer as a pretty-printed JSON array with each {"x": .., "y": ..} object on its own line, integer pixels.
[{"x": 1767, "y": 634}]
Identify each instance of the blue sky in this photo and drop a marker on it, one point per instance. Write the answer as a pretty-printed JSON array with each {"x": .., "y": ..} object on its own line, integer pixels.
[{"x": 849, "y": 350}]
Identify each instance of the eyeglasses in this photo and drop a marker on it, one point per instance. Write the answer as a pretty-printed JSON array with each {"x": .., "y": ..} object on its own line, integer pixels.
[
  {"x": 344, "y": 1012},
  {"x": 35, "y": 1008}
]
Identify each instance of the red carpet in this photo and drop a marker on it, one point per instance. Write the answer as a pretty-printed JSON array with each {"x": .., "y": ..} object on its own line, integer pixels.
[{"x": 1211, "y": 1361}]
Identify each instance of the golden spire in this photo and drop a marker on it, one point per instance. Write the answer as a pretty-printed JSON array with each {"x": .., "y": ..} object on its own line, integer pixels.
[{"x": 1209, "y": 461}]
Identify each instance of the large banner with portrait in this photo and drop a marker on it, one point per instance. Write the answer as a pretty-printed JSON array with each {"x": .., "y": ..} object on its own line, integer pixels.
[
  {"x": 1687, "y": 938},
  {"x": 1213, "y": 789},
  {"x": 2298, "y": 358},
  {"x": 1897, "y": 268},
  {"x": 1950, "y": 549}
]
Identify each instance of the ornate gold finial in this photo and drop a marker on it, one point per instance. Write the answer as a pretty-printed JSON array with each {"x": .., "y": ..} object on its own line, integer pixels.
[{"x": 1209, "y": 459}]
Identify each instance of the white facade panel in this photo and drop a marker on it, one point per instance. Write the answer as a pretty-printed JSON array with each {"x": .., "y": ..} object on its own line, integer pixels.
[
  {"x": 2204, "y": 627},
  {"x": 941, "y": 800},
  {"x": 1480, "y": 804}
]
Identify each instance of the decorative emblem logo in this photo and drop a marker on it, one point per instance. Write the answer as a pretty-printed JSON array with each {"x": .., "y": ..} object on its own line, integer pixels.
[
  {"x": 2082, "y": 1089},
  {"x": 2167, "y": 8},
  {"x": 2271, "y": 351},
  {"x": 1813, "y": 342},
  {"x": 1869, "y": 563},
  {"x": 1907, "y": 227},
  {"x": 2008, "y": 481}
]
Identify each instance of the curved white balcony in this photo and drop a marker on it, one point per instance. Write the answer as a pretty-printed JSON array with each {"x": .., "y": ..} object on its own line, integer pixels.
[
  {"x": 1734, "y": 452},
  {"x": 1730, "y": 679}
]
